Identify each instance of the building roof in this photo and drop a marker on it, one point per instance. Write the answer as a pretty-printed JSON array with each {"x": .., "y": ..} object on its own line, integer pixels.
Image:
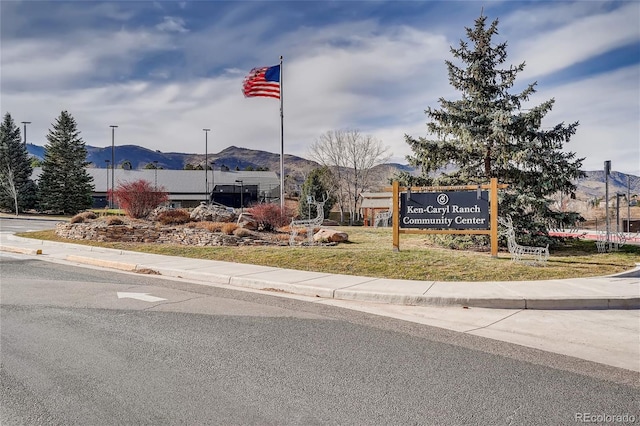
[
  {"x": 187, "y": 182},
  {"x": 376, "y": 200}
]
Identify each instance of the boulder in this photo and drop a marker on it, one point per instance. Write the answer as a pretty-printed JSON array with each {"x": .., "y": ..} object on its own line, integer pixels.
[
  {"x": 153, "y": 216},
  {"x": 212, "y": 213},
  {"x": 245, "y": 220},
  {"x": 331, "y": 235}
]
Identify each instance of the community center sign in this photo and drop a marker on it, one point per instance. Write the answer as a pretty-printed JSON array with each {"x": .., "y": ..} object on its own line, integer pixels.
[
  {"x": 462, "y": 209},
  {"x": 445, "y": 210}
]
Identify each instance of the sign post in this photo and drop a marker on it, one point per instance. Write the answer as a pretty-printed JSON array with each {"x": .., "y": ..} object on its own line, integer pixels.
[{"x": 464, "y": 209}]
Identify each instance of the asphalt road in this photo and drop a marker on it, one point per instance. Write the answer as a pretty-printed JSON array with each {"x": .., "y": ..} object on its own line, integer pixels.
[
  {"x": 73, "y": 352},
  {"x": 12, "y": 224}
]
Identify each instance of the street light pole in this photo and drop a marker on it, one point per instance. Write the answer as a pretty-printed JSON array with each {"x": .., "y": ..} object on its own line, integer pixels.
[
  {"x": 241, "y": 195},
  {"x": 628, "y": 203},
  {"x": 113, "y": 161},
  {"x": 213, "y": 180},
  {"x": 25, "y": 130},
  {"x": 155, "y": 175},
  {"x": 618, "y": 195},
  {"x": 607, "y": 172},
  {"x": 107, "y": 190},
  {"x": 206, "y": 164}
]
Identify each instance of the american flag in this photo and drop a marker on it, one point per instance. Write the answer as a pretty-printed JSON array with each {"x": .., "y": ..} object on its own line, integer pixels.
[{"x": 264, "y": 81}]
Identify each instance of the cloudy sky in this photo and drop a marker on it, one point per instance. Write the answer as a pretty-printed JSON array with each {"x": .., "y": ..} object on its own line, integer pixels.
[{"x": 162, "y": 71}]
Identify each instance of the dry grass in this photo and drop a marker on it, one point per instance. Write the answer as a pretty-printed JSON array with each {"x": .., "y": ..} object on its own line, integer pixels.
[
  {"x": 229, "y": 228},
  {"x": 114, "y": 220},
  {"x": 83, "y": 217},
  {"x": 209, "y": 226},
  {"x": 369, "y": 253}
]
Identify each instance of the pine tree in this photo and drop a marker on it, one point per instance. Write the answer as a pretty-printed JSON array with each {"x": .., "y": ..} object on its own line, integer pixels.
[
  {"x": 65, "y": 186},
  {"x": 488, "y": 134},
  {"x": 317, "y": 186},
  {"x": 17, "y": 190}
]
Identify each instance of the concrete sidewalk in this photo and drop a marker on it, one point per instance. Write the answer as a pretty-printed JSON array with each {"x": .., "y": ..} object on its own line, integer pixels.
[{"x": 612, "y": 292}]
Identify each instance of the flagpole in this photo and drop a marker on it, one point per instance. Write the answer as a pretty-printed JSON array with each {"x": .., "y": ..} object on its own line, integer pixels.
[{"x": 281, "y": 140}]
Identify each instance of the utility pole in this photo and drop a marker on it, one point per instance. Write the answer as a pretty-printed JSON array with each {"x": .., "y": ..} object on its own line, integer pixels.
[
  {"x": 25, "y": 131},
  {"x": 628, "y": 203},
  {"x": 607, "y": 171},
  {"x": 107, "y": 190},
  {"x": 155, "y": 175},
  {"x": 113, "y": 162},
  {"x": 206, "y": 164}
]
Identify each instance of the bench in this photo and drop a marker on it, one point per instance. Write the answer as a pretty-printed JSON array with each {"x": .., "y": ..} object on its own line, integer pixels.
[
  {"x": 612, "y": 243},
  {"x": 520, "y": 253},
  {"x": 382, "y": 219}
]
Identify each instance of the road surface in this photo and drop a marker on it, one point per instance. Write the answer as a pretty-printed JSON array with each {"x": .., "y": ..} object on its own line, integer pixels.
[{"x": 93, "y": 347}]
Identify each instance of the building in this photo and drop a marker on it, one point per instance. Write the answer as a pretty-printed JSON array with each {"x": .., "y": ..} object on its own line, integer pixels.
[
  {"x": 373, "y": 203},
  {"x": 186, "y": 188}
]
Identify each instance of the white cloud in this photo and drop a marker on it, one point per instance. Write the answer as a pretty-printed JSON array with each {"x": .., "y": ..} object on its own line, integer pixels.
[
  {"x": 172, "y": 24},
  {"x": 607, "y": 107},
  {"x": 577, "y": 40},
  {"x": 40, "y": 64},
  {"x": 358, "y": 74}
]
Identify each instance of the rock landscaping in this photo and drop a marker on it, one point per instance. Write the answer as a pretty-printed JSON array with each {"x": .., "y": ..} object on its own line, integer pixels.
[{"x": 208, "y": 226}]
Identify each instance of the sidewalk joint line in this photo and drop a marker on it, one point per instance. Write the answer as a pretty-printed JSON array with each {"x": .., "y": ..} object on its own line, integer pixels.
[
  {"x": 427, "y": 290},
  {"x": 313, "y": 278},
  {"x": 494, "y": 323},
  {"x": 353, "y": 285}
]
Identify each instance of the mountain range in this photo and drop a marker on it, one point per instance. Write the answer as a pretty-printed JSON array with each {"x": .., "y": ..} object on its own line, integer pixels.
[{"x": 590, "y": 187}]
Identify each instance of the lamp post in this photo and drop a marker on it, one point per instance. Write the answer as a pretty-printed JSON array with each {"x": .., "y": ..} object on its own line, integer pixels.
[
  {"x": 628, "y": 203},
  {"x": 113, "y": 161},
  {"x": 107, "y": 190},
  {"x": 241, "y": 195},
  {"x": 155, "y": 175},
  {"x": 206, "y": 164},
  {"x": 213, "y": 182},
  {"x": 618, "y": 195},
  {"x": 25, "y": 130},
  {"x": 607, "y": 171}
]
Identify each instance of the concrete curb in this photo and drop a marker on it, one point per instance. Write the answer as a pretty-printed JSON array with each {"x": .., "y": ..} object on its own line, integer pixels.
[
  {"x": 389, "y": 298},
  {"x": 123, "y": 266},
  {"x": 21, "y": 250},
  {"x": 346, "y": 293}
]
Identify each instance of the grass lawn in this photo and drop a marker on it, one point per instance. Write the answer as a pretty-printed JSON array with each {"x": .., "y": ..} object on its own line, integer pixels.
[{"x": 369, "y": 253}]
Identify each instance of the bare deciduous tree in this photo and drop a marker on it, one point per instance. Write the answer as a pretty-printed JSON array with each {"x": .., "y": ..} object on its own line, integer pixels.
[
  {"x": 8, "y": 185},
  {"x": 351, "y": 157}
]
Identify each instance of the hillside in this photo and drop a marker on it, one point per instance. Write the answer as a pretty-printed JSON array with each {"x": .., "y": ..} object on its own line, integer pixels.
[
  {"x": 590, "y": 188},
  {"x": 232, "y": 157}
]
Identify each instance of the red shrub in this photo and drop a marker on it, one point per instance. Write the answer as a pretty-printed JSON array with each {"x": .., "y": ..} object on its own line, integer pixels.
[
  {"x": 270, "y": 216},
  {"x": 139, "y": 198}
]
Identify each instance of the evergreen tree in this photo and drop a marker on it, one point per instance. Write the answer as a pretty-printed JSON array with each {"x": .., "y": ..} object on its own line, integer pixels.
[
  {"x": 17, "y": 190},
  {"x": 317, "y": 186},
  {"x": 488, "y": 134},
  {"x": 65, "y": 186}
]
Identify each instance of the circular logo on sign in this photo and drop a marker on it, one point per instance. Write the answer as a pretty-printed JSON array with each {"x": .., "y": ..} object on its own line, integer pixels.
[{"x": 442, "y": 199}]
